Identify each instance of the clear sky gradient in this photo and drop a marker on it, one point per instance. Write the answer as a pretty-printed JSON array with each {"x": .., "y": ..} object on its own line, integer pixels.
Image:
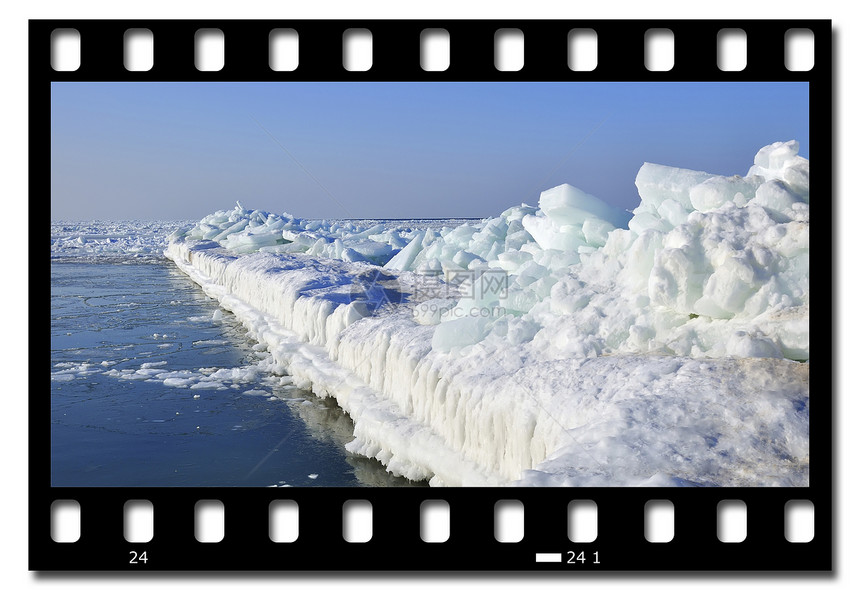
[{"x": 398, "y": 150}]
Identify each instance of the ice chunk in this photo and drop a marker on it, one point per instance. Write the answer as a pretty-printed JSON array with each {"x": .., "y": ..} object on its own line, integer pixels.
[
  {"x": 568, "y": 205},
  {"x": 776, "y": 155},
  {"x": 178, "y": 382},
  {"x": 673, "y": 212},
  {"x": 719, "y": 190},
  {"x": 657, "y": 183},
  {"x": 596, "y": 231},
  {"x": 780, "y": 161},
  {"x": 797, "y": 178},
  {"x": 550, "y": 236},
  {"x": 642, "y": 221},
  {"x": 743, "y": 344},
  {"x": 256, "y": 393},
  {"x": 570, "y": 219},
  {"x": 153, "y": 364},
  {"x": 403, "y": 260},
  {"x": 460, "y": 332},
  {"x": 777, "y": 199},
  {"x": 727, "y": 289}
]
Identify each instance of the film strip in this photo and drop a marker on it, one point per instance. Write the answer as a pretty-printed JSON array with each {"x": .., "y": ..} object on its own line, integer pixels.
[{"x": 546, "y": 536}]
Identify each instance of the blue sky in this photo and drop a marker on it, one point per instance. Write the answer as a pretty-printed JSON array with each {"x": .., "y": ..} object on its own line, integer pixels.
[{"x": 182, "y": 150}]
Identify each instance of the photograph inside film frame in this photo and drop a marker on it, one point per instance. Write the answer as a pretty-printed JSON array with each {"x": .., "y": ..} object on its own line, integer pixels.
[{"x": 528, "y": 283}]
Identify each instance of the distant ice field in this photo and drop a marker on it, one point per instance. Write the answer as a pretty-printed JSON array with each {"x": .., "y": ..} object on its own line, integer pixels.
[
  {"x": 130, "y": 242},
  {"x": 134, "y": 242}
]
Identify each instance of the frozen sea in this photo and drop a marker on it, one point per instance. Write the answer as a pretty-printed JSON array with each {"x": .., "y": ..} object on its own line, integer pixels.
[
  {"x": 565, "y": 344},
  {"x": 147, "y": 389}
]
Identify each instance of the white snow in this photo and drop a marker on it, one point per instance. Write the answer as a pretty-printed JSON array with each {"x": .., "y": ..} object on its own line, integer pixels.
[{"x": 550, "y": 345}]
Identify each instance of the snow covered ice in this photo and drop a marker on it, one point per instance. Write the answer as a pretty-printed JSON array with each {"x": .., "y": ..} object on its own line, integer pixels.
[{"x": 568, "y": 343}]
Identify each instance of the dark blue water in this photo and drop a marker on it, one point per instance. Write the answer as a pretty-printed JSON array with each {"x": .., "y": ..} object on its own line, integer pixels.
[{"x": 119, "y": 333}]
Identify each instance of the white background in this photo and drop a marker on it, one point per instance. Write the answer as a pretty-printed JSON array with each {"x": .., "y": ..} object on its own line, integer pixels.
[{"x": 13, "y": 312}]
